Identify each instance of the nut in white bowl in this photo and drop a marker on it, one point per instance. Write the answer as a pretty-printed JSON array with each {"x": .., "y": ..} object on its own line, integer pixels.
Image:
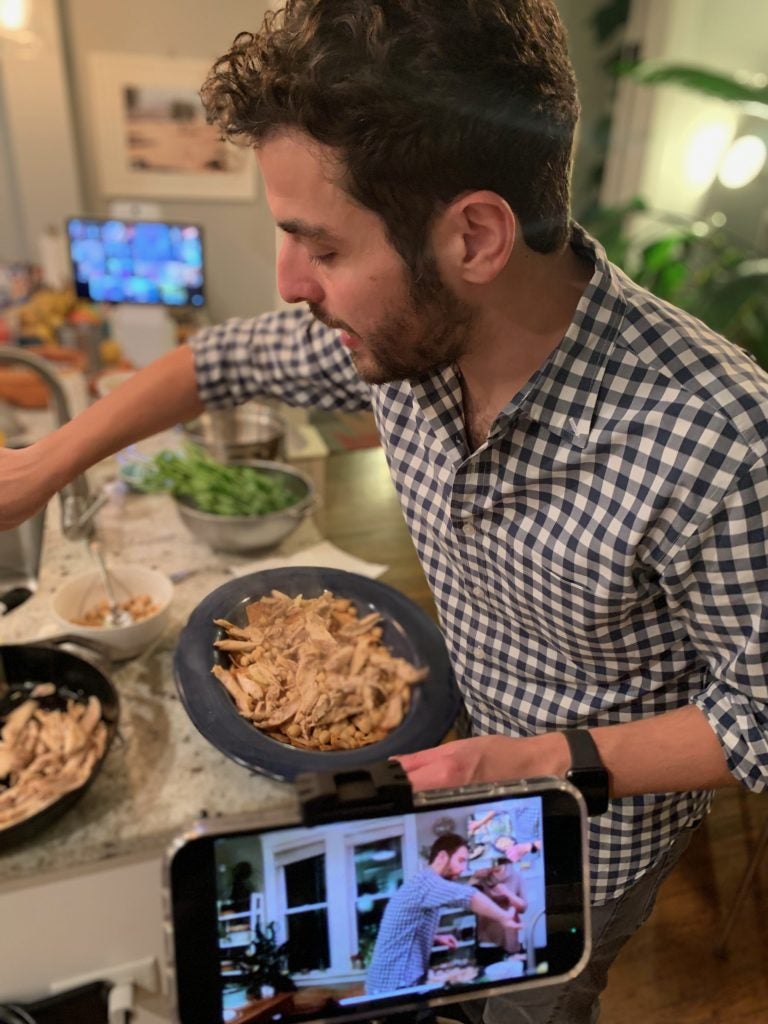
[{"x": 81, "y": 594}]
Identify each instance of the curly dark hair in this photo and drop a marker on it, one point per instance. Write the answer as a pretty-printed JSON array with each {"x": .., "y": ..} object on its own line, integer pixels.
[
  {"x": 448, "y": 843},
  {"x": 423, "y": 100}
]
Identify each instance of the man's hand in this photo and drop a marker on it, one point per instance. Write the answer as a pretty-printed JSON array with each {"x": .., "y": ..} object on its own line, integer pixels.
[
  {"x": 513, "y": 922},
  {"x": 155, "y": 398},
  {"x": 484, "y": 906},
  {"x": 486, "y": 759},
  {"x": 25, "y": 486},
  {"x": 449, "y": 941},
  {"x": 670, "y": 753}
]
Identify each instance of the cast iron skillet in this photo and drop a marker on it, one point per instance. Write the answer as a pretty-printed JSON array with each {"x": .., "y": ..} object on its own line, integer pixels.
[
  {"x": 61, "y": 661},
  {"x": 408, "y": 633}
]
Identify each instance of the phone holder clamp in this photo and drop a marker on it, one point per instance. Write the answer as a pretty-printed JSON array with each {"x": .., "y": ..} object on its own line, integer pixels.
[{"x": 381, "y": 788}]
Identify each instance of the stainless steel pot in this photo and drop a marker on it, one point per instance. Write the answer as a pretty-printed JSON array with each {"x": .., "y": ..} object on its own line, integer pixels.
[{"x": 251, "y": 431}]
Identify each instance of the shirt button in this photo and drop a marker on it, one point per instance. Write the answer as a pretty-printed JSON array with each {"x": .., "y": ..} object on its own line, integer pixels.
[
  {"x": 469, "y": 530},
  {"x": 478, "y": 592}
]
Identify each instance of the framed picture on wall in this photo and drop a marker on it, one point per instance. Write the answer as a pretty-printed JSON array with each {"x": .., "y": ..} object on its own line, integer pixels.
[{"x": 150, "y": 133}]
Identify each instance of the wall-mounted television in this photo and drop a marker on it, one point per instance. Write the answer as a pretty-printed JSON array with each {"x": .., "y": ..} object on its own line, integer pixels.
[{"x": 145, "y": 262}]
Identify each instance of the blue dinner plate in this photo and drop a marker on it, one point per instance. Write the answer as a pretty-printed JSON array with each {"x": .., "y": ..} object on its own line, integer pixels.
[{"x": 407, "y": 631}]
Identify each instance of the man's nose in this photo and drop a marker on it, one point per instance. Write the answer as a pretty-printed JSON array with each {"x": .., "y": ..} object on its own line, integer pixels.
[{"x": 296, "y": 280}]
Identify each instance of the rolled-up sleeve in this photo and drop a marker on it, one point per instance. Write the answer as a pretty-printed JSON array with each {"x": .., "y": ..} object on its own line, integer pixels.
[
  {"x": 442, "y": 892},
  {"x": 287, "y": 354},
  {"x": 718, "y": 584}
]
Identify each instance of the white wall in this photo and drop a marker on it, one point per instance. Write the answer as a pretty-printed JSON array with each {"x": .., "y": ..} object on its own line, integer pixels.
[
  {"x": 656, "y": 129},
  {"x": 70, "y": 929},
  {"x": 12, "y": 242},
  {"x": 238, "y": 235},
  {"x": 38, "y": 162},
  {"x": 594, "y": 84},
  {"x": 47, "y": 168},
  {"x": 47, "y": 165}
]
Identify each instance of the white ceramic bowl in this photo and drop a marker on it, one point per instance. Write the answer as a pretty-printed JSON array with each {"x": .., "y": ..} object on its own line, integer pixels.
[
  {"x": 504, "y": 969},
  {"x": 75, "y": 598}
]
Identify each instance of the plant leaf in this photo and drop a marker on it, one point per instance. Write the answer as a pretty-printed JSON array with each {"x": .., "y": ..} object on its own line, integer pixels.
[
  {"x": 699, "y": 79},
  {"x": 609, "y": 18},
  {"x": 725, "y": 300}
]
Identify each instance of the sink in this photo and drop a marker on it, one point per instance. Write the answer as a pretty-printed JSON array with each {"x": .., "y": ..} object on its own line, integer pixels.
[{"x": 20, "y": 551}]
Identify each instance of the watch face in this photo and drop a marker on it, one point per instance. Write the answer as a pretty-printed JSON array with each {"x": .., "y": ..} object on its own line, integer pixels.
[
  {"x": 593, "y": 783},
  {"x": 587, "y": 771},
  {"x": 595, "y": 778}
]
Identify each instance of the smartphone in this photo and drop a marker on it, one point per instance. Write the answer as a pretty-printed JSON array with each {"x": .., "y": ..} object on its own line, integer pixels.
[{"x": 362, "y": 900}]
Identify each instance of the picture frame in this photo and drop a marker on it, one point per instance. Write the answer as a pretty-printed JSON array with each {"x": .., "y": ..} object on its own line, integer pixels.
[{"x": 150, "y": 133}]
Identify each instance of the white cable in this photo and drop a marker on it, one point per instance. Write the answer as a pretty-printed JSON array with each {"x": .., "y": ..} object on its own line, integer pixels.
[{"x": 120, "y": 1003}]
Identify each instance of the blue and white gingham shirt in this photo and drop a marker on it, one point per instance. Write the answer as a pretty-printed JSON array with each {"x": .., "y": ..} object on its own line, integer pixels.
[
  {"x": 602, "y": 556},
  {"x": 408, "y": 929}
]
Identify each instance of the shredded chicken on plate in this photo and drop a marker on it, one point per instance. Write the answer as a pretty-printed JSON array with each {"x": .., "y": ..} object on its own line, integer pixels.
[{"x": 310, "y": 672}]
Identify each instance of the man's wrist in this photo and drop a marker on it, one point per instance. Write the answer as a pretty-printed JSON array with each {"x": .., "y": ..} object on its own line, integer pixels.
[
  {"x": 587, "y": 771},
  {"x": 553, "y": 755}
]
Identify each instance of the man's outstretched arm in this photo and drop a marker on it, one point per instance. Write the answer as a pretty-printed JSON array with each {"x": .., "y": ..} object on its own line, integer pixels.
[
  {"x": 157, "y": 397},
  {"x": 483, "y": 906}
]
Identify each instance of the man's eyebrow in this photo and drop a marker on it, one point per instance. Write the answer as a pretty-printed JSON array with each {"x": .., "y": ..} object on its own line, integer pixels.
[{"x": 312, "y": 232}]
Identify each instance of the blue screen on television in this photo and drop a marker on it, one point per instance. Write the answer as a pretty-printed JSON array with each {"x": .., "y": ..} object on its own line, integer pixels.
[{"x": 147, "y": 262}]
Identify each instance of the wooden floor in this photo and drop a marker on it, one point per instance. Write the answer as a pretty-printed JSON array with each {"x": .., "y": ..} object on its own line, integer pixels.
[{"x": 668, "y": 973}]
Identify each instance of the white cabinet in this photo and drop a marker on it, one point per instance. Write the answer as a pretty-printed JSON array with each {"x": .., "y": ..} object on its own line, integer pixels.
[
  {"x": 66, "y": 929},
  {"x": 238, "y": 927}
]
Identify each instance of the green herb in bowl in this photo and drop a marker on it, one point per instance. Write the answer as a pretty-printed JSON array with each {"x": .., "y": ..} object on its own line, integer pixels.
[{"x": 225, "y": 490}]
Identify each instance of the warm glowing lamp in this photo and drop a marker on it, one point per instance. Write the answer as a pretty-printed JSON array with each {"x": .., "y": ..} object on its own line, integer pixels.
[
  {"x": 14, "y": 15},
  {"x": 742, "y": 162}
]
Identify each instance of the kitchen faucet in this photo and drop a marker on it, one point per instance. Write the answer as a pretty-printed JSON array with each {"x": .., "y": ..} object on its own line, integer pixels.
[{"x": 77, "y": 505}]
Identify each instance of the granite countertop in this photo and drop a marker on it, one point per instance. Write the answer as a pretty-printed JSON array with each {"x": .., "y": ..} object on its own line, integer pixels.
[{"x": 160, "y": 773}]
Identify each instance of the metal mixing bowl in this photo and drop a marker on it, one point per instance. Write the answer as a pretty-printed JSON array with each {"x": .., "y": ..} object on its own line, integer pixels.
[
  {"x": 251, "y": 431},
  {"x": 249, "y": 533}
]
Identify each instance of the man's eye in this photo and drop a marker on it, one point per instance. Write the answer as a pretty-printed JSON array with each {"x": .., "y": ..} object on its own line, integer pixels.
[{"x": 324, "y": 257}]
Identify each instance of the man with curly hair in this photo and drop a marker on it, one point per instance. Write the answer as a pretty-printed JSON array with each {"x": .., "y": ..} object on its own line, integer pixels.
[{"x": 583, "y": 468}]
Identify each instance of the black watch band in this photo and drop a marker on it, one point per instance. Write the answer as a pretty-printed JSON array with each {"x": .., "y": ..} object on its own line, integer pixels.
[{"x": 587, "y": 772}]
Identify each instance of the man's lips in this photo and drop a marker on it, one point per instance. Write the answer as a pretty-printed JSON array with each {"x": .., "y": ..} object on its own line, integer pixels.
[{"x": 350, "y": 341}]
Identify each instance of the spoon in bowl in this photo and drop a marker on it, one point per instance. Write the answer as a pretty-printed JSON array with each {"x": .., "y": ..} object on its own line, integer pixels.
[{"x": 115, "y": 615}]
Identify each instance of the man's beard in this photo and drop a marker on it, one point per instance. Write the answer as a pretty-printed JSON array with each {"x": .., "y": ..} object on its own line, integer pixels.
[{"x": 431, "y": 332}]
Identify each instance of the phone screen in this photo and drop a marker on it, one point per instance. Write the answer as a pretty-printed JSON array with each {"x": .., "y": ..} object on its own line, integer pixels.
[{"x": 352, "y": 919}]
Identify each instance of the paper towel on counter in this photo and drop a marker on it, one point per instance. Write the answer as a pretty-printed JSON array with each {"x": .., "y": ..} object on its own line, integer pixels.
[{"x": 324, "y": 555}]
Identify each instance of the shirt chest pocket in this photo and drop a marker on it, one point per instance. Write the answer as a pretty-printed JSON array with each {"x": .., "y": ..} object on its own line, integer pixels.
[{"x": 558, "y": 602}]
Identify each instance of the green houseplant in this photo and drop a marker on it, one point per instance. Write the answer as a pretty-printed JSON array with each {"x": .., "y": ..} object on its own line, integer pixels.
[
  {"x": 264, "y": 963},
  {"x": 695, "y": 264}
]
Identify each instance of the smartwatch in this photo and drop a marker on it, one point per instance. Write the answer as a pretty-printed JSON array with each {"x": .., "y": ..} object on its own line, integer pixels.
[{"x": 587, "y": 772}]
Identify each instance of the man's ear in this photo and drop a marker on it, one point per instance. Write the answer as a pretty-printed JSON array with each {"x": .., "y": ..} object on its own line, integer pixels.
[{"x": 474, "y": 236}]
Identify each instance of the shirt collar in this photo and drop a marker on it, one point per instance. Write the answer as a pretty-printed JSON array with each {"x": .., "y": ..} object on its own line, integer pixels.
[{"x": 563, "y": 394}]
